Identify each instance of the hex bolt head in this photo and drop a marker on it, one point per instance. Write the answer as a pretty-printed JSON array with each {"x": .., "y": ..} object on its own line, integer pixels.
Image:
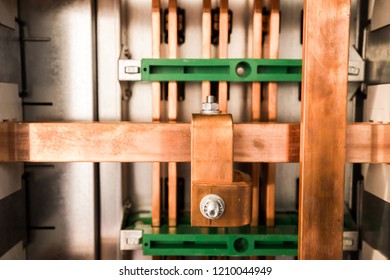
[
  {"x": 210, "y": 107},
  {"x": 212, "y": 206}
]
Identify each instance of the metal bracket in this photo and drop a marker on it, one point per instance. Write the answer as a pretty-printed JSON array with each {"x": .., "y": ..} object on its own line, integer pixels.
[
  {"x": 356, "y": 66},
  {"x": 129, "y": 70},
  {"x": 350, "y": 240},
  {"x": 131, "y": 239}
]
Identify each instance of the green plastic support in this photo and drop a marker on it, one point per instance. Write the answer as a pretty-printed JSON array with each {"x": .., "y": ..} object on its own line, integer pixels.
[
  {"x": 190, "y": 241},
  {"x": 230, "y": 70},
  {"x": 185, "y": 240}
]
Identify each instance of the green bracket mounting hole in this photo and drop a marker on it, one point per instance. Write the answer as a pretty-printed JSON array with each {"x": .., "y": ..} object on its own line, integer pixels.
[
  {"x": 241, "y": 245},
  {"x": 243, "y": 69}
]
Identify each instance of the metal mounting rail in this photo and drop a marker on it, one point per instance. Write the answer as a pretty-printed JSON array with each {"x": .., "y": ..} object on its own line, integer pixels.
[{"x": 230, "y": 70}]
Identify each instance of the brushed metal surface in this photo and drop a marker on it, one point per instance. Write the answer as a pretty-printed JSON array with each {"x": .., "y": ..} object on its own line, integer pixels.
[
  {"x": 9, "y": 55},
  {"x": 377, "y": 181},
  {"x": 137, "y": 37},
  {"x": 376, "y": 227},
  {"x": 11, "y": 110},
  {"x": 61, "y": 71},
  {"x": 8, "y": 13},
  {"x": 17, "y": 252},
  {"x": 109, "y": 38},
  {"x": 378, "y": 56},
  {"x": 61, "y": 212},
  {"x": 375, "y": 209},
  {"x": 12, "y": 221},
  {"x": 12, "y": 208},
  {"x": 11, "y": 104},
  {"x": 369, "y": 253},
  {"x": 377, "y": 105},
  {"x": 370, "y": 11},
  {"x": 380, "y": 16},
  {"x": 11, "y": 179}
]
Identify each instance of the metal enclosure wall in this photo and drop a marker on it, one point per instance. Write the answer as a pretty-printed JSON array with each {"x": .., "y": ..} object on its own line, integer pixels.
[
  {"x": 61, "y": 84},
  {"x": 112, "y": 196},
  {"x": 75, "y": 209},
  {"x": 375, "y": 201},
  {"x": 12, "y": 195}
]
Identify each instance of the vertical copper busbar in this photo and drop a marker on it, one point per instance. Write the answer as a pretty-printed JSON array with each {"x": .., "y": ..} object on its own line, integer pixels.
[
  {"x": 206, "y": 42},
  {"x": 156, "y": 113},
  {"x": 323, "y": 134},
  {"x": 270, "y": 109},
  {"x": 206, "y": 46},
  {"x": 172, "y": 112},
  {"x": 256, "y": 106},
  {"x": 223, "y": 51}
]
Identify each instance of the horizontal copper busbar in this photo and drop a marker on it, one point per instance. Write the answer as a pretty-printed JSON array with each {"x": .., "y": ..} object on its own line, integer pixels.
[{"x": 163, "y": 142}]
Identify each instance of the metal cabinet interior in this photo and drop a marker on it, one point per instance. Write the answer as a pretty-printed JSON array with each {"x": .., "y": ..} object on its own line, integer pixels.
[{"x": 67, "y": 82}]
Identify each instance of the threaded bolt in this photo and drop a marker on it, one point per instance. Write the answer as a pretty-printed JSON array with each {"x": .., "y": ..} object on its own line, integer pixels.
[{"x": 210, "y": 107}]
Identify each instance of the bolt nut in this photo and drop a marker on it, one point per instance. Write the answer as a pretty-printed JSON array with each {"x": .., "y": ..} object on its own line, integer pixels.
[
  {"x": 212, "y": 206},
  {"x": 210, "y": 107}
]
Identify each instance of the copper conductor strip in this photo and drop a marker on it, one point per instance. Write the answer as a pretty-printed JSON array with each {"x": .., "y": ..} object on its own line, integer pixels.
[
  {"x": 156, "y": 113},
  {"x": 206, "y": 43},
  {"x": 172, "y": 112},
  {"x": 324, "y": 136},
  {"x": 223, "y": 50},
  {"x": 163, "y": 142},
  {"x": 256, "y": 104},
  {"x": 212, "y": 172},
  {"x": 270, "y": 109}
]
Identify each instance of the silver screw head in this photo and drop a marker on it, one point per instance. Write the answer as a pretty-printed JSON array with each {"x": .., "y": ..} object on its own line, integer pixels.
[{"x": 212, "y": 206}]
